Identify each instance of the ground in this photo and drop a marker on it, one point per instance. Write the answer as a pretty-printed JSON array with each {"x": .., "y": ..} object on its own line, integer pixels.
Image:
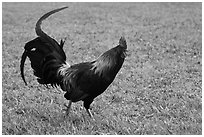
[{"x": 157, "y": 91}]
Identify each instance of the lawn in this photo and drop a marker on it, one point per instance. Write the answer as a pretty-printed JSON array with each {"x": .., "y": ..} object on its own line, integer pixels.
[{"x": 157, "y": 91}]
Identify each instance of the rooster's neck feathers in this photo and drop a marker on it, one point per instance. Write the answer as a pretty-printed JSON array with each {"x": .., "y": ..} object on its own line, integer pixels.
[
  {"x": 106, "y": 62},
  {"x": 62, "y": 70},
  {"x": 109, "y": 61}
]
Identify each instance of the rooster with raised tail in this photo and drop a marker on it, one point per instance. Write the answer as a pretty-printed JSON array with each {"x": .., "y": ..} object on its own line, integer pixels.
[{"x": 83, "y": 81}]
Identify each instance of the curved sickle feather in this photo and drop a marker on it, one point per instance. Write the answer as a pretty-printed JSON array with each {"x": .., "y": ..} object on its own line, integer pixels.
[
  {"x": 38, "y": 29},
  {"x": 23, "y": 59},
  {"x": 44, "y": 36}
]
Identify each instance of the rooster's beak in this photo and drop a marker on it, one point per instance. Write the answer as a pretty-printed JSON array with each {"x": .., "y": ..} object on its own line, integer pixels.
[{"x": 128, "y": 53}]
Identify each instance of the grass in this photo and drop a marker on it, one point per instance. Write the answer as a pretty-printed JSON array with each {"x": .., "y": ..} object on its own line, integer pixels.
[{"x": 157, "y": 91}]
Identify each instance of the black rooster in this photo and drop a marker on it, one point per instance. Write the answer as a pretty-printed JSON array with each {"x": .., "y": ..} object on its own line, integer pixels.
[{"x": 83, "y": 81}]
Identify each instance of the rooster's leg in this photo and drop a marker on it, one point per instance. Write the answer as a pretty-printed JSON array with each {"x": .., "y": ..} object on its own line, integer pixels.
[
  {"x": 90, "y": 114},
  {"x": 68, "y": 108},
  {"x": 87, "y": 103}
]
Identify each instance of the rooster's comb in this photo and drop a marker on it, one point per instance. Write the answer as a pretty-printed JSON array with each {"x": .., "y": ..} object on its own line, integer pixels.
[{"x": 122, "y": 42}]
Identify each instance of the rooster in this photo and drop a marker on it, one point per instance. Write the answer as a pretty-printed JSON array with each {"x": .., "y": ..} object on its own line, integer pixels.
[{"x": 81, "y": 82}]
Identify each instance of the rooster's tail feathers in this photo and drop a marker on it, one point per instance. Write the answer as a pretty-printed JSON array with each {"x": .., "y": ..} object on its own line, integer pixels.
[{"x": 45, "y": 54}]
